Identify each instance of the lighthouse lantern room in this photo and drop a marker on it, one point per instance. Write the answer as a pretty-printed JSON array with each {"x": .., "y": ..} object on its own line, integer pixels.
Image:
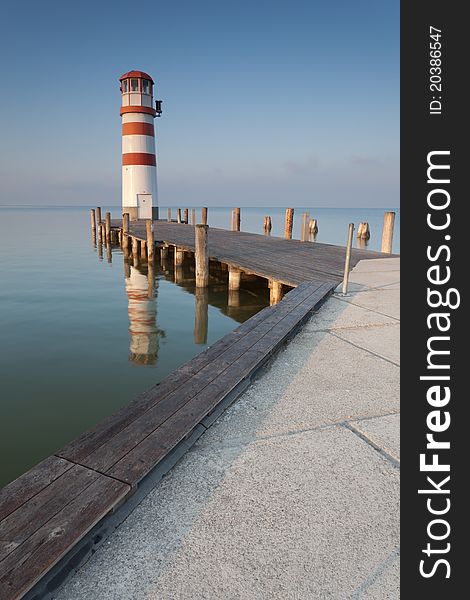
[{"x": 139, "y": 163}]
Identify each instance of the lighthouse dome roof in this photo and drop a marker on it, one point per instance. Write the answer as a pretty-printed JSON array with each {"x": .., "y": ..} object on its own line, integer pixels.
[{"x": 140, "y": 74}]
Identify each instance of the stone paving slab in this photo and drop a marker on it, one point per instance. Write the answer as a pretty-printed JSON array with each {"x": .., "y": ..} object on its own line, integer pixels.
[
  {"x": 341, "y": 314},
  {"x": 383, "y": 341},
  {"x": 382, "y": 431}
]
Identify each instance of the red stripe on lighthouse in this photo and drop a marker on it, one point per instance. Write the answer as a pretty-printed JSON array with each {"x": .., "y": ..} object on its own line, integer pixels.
[
  {"x": 139, "y": 158},
  {"x": 135, "y": 128},
  {"x": 138, "y": 109}
]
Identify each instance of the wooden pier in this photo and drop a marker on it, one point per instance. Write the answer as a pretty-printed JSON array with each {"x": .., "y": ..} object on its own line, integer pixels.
[{"x": 49, "y": 509}]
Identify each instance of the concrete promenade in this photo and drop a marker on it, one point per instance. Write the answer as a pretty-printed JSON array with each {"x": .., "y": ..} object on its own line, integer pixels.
[{"x": 293, "y": 494}]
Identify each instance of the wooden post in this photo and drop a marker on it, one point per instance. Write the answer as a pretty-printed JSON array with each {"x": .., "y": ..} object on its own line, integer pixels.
[
  {"x": 234, "y": 278},
  {"x": 204, "y": 215},
  {"x": 202, "y": 256},
  {"x": 179, "y": 256},
  {"x": 275, "y": 292},
  {"x": 313, "y": 226},
  {"x": 304, "y": 227},
  {"x": 363, "y": 231},
  {"x": 193, "y": 216},
  {"x": 267, "y": 225},
  {"x": 114, "y": 236},
  {"x": 125, "y": 223},
  {"x": 93, "y": 220},
  {"x": 178, "y": 215},
  {"x": 164, "y": 253},
  {"x": 98, "y": 215},
  {"x": 109, "y": 254},
  {"x": 236, "y": 219},
  {"x": 143, "y": 249},
  {"x": 347, "y": 261},
  {"x": 201, "y": 315},
  {"x": 169, "y": 215},
  {"x": 100, "y": 250},
  {"x": 135, "y": 248},
  {"x": 289, "y": 223},
  {"x": 186, "y": 216},
  {"x": 150, "y": 240},
  {"x": 108, "y": 226},
  {"x": 387, "y": 232}
]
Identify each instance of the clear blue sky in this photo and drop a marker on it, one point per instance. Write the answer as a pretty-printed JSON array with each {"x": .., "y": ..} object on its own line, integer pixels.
[{"x": 266, "y": 103}]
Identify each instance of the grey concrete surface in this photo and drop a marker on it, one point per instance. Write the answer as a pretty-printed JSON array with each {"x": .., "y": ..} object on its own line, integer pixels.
[{"x": 294, "y": 492}]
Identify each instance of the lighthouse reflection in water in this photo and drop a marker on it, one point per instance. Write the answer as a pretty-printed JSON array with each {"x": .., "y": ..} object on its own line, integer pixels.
[
  {"x": 156, "y": 321},
  {"x": 141, "y": 290}
]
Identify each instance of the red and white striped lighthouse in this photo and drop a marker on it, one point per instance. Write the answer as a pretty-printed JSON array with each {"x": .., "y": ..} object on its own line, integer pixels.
[{"x": 139, "y": 161}]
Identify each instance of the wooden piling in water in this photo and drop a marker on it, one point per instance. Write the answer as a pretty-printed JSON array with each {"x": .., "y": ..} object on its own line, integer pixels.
[
  {"x": 186, "y": 216},
  {"x": 169, "y": 215},
  {"x": 98, "y": 215},
  {"x": 178, "y": 215},
  {"x": 108, "y": 227},
  {"x": 304, "y": 227},
  {"x": 179, "y": 256},
  {"x": 125, "y": 230},
  {"x": 202, "y": 256},
  {"x": 164, "y": 253},
  {"x": 143, "y": 249},
  {"x": 234, "y": 278},
  {"x": 267, "y": 225},
  {"x": 93, "y": 220},
  {"x": 150, "y": 240},
  {"x": 236, "y": 219},
  {"x": 135, "y": 248},
  {"x": 193, "y": 216},
  {"x": 275, "y": 292},
  {"x": 204, "y": 215},
  {"x": 109, "y": 254},
  {"x": 387, "y": 232},
  {"x": 363, "y": 231},
  {"x": 289, "y": 223},
  {"x": 313, "y": 226}
]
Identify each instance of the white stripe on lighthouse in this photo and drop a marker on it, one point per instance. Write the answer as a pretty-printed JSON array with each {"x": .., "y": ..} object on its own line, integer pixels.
[{"x": 138, "y": 143}]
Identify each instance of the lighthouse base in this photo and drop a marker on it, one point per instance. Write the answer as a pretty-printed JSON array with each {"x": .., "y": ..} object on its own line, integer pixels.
[{"x": 134, "y": 215}]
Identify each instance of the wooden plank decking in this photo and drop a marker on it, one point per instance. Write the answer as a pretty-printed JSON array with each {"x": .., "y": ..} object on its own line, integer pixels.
[
  {"x": 290, "y": 262},
  {"x": 49, "y": 509}
]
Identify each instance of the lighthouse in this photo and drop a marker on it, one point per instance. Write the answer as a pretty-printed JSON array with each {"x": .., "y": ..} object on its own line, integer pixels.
[{"x": 139, "y": 161}]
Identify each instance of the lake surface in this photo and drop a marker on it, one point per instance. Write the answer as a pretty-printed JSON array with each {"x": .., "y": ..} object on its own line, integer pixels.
[{"x": 81, "y": 336}]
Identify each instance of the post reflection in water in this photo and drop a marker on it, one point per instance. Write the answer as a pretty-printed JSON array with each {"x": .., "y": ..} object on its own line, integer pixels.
[
  {"x": 201, "y": 315},
  {"x": 142, "y": 310}
]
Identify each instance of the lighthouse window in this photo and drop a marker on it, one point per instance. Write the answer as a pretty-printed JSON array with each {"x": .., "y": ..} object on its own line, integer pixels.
[
  {"x": 125, "y": 86},
  {"x": 145, "y": 86},
  {"x": 134, "y": 85}
]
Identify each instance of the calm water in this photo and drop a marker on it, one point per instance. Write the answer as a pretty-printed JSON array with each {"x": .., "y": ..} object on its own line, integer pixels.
[{"x": 81, "y": 336}]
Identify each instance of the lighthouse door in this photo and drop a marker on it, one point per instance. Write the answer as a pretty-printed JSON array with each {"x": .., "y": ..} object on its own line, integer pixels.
[{"x": 144, "y": 206}]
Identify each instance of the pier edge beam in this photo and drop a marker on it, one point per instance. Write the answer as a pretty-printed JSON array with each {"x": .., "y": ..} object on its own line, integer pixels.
[{"x": 201, "y": 256}]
